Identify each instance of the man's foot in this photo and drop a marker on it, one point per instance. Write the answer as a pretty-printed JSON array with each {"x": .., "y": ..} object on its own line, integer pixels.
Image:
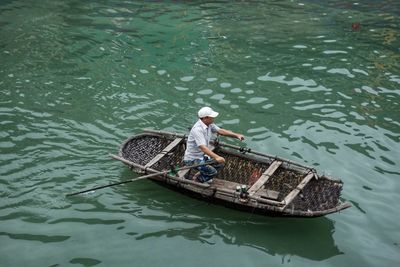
[
  {"x": 196, "y": 177},
  {"x": 207, "y": 180},
  {"x": 199, "y": 178},
  {"x": 187, "y": 176}
]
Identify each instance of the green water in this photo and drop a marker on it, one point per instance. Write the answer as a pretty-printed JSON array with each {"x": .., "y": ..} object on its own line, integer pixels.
[{"x": 79, "y": 77}]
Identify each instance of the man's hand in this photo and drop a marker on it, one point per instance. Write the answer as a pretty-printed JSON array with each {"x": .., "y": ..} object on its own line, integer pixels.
[
  {"x": 231, "y": 134},
  {"x": 240, "y": 137},
  {"x": 211, "y": 154},
  {"x": 220, "y": 159}
]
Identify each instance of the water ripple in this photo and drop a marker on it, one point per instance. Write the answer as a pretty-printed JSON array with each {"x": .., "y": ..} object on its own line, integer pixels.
[{"x": 78, "y": 79}]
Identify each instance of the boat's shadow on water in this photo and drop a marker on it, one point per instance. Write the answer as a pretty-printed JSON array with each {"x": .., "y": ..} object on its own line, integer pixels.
[{"x": 208, "y": 223}]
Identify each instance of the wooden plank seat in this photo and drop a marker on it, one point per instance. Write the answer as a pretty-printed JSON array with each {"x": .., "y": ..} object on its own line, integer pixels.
[
  {"x": 220, "y": 183},
  {"x": 289, "y": 198},
  {"x": 167, "y": 149},
  {"x": 264, "y": 177},
  {"x": 267, "y": 194}
]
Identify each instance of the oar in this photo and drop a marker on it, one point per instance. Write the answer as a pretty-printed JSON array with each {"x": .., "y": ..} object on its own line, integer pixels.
[{"x": 141, "y": 178}]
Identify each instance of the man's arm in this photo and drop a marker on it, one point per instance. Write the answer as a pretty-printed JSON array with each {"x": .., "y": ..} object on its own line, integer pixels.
[
  {"x": 230, "y": 134},
  {"x": 211, "y": 154}
]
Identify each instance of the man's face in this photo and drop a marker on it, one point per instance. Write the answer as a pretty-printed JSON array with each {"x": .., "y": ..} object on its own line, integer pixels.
[{"x": 208, "y": 120}]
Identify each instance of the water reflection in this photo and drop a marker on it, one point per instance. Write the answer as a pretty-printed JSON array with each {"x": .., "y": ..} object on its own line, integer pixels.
[{"x": 194, "y": 220}]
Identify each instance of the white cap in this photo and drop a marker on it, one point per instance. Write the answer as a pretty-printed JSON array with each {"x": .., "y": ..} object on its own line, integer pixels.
[{"x": 207, "y": 112}]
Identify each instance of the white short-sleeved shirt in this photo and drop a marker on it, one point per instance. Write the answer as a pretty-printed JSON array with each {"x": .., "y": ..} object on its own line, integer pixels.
[{"x": 200, "y": 134}]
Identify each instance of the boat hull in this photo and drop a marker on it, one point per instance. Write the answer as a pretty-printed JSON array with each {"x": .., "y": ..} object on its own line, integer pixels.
[{"x": 250, "y": 181}]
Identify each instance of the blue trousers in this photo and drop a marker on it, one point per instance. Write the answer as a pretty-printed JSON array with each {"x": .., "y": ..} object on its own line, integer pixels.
[{"x": 206, "y": 171}]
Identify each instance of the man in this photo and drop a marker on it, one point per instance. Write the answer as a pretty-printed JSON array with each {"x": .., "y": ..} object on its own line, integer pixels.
[{"x": 197, "y": 146}]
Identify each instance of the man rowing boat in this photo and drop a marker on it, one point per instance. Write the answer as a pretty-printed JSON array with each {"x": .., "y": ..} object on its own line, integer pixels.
[{"x": 197, "y": 146}]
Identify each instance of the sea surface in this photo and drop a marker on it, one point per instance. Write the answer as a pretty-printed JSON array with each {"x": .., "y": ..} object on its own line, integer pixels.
[{"x": 316, "y": 82}]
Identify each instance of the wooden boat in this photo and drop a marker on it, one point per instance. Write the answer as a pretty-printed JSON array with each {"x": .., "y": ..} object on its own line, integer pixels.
[{"x": 250, "y": 181}]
